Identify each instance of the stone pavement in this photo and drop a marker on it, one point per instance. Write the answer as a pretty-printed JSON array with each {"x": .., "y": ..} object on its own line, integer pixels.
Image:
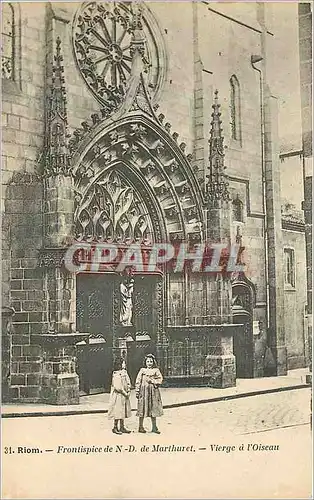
[{"x": 172, "y": 397}]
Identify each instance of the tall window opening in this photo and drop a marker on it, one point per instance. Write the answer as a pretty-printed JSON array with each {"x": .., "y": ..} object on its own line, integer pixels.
[
  {"x": 235, "y": 109},
  {"x": 7, "y": 46},
  {"x": 237, "y": 209},
  {"x": 289, "y": 267}
]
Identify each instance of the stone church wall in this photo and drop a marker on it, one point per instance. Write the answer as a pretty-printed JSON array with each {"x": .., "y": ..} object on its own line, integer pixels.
[
  {"x": 22, "y": 143},
  {"x": 225, "y": 48},
  {"x": 204, "y": 49}
]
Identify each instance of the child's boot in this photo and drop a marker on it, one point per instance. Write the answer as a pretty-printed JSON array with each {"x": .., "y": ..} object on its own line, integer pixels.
[
  {"x": 154, "y": 426},
  {"x": 122, "y": 428},
  {"x": 141, "y": 426},
  {"x": 115, "y": 429}
]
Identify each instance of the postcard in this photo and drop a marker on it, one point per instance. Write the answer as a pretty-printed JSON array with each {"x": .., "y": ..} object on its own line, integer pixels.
[{"x": 156, "y": 249}]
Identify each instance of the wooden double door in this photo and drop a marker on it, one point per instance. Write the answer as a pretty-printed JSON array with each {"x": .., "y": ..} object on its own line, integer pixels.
[
  {"x": 98, "y": 304},
  {"x": 94, "y": 315}
]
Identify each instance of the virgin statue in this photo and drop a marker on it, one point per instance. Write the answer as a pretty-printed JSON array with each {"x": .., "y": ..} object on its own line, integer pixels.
[{"x": 126, "y": 310}]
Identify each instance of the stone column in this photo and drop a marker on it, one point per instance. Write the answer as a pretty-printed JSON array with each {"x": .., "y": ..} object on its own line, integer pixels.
[
  {"x": 220, "y": 362},
  {"x": 221, "y": 367},
  {"x": 60, "y": 384},
  {"x": 59, "y": 229},
  {"x": 276, "y": 332},
  {"x": 273, "y": 227}
]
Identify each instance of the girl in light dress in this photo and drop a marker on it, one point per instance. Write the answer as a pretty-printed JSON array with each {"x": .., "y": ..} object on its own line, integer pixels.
[
  {"x": 147, "y": 390},
  {"x": 119, "y": 401}
]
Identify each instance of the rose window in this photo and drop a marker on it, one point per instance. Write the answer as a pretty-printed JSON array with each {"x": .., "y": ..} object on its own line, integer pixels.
[{"x": 103, "y": 35}]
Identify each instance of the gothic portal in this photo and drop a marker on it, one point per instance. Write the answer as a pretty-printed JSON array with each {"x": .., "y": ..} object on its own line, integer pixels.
[{"x": 118, "y": 137}]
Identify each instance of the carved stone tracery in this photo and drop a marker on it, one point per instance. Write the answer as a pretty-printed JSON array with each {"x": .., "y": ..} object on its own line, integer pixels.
[
  {"x": 106, "y": 36},
  {"x": 113, "y": 211}
]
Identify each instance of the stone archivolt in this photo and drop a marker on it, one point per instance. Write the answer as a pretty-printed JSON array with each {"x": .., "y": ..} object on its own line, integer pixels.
[
  {"x": 137, "y": 100},
  {"x": 137, "y": 151}
]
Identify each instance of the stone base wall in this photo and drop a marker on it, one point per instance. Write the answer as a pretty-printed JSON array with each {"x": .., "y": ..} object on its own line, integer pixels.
[
  {"x": 62, "y": 389},
  {"x": 25, "y": 370},
  {"x": 200, "y": 356},
  {"x": 60, "y": 382},
  {"x": 221, "y": 370},
  {"x": 23, "y": 204},
  {"x": 38, "y": 374}
]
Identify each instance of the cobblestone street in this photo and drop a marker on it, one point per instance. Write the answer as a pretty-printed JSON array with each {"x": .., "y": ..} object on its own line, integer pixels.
[
  {"x": 244, "y": 416},
  {"x": 278, "y": 420}
]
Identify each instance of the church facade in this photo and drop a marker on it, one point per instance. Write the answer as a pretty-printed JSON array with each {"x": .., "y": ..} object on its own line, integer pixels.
[{"x": 134, "y": 126}]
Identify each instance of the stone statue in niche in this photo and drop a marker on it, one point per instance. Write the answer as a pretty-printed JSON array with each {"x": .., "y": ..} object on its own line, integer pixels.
[
  {"x": 237, "y": 300},
  {"x": 126, "y": 308},
  {"x": 241, "y": 298}
]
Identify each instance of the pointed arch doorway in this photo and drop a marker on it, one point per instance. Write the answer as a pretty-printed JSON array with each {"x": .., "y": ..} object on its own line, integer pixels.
[
  {"x": 114, "y": 210},
  {"x": 98, "y": 306},
  {"x": 134, "y": 155},
  {"x": 243, "y": 300}
]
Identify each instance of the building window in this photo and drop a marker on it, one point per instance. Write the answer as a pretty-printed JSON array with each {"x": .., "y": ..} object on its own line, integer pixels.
[
  {"x": 7, "y": 47},
  {"x": 289, "y": 267},
  {"x": 235, "y": 109},
  {"x": 237, "y": 209}
]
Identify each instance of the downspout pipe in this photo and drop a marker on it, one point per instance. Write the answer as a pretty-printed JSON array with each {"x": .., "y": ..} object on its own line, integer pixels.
[{"x": 254, "y": 60}]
